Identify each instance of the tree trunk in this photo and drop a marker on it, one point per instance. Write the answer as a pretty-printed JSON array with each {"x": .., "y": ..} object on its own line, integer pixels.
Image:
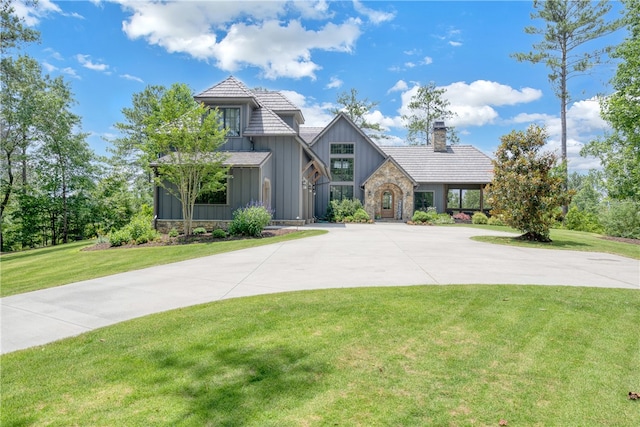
[{"x": 563, "y": 121}]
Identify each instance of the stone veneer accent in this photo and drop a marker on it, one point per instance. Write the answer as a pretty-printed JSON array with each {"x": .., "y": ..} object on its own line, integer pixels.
[
  {"x": 388, "y": 178},
  {"x": 165, "y": 225}
]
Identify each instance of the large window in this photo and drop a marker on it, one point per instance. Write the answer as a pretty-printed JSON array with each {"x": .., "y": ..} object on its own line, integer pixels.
[
  {"x": 342, "y": 169},
  {"x": 213, "y": 197},
  {"x": 459, "y": 198},
  {"x": 230, "y": 118},
  {"x": 422, "y": 200},
  {"x": 340, "y": 192}
]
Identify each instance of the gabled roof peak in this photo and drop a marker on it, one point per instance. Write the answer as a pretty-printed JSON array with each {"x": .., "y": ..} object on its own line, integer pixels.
[{"x": 228, "y": 88}]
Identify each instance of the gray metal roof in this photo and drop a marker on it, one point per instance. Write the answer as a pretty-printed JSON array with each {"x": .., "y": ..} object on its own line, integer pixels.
[
  {"x": 231, "y": 158},
  {"x": 460, "y": 164},
  {"x": 275, "y": 101},
  {"x": 309, "y": 133},
  {"x": 266, "y": 122},
  {"x": 228, "y": 88}
]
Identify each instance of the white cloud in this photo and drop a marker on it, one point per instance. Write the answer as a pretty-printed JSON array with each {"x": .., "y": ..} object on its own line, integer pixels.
[
  {"x": 334, "y": 83},
  {"x": 48, "y": 67},
  {"x": 54, "y": 54},
  {"x": 409, "y": 64},
  {"x": 241, "y": 34},
  {"x": 483, "y": 92},
  {"x": 87, "y": 63},
  {"x": 427, "y": 60},
  {"x": 454, "y": 43},
  {"x": 132, "y": 78},
  {"x": 32, "y": 15},
  {"x": 375, "y": 16},
  {"x": 70, "y": 72},
  {"x": 314, "y": 114},
  {"x": 400, "y": 86}
]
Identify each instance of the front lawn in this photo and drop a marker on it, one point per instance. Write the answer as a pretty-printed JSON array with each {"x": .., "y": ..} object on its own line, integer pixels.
[
  {"x": 565, "y": 239},
  {"x": 435, "y": 355},
  {"x": 59, "y": 265}
]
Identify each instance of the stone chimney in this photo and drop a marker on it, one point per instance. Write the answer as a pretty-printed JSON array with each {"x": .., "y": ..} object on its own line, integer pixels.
[{"x": 439, "y": 137}]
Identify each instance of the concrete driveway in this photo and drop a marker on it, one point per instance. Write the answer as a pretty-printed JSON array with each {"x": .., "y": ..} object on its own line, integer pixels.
[{"x": 383, "y": 254}]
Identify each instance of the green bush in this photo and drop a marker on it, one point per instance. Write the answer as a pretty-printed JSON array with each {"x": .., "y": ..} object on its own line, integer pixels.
[
  {"x": 173, "y": 232},
  {"x": 139, "y": 230},
  {"x": 582, "y": 221},
  {"x": 495, "y": 220},
  {"x": 622, "y": 219},
  {"x": 444, "y": 218},
  {"x": 479, "y": 218},
  {"x": 429, "y": 216},
  {"x": 199, "y": 230},
  {"x": 250, "y": 221},
  {"x": 219, "y": 233},
  {"x": 361, "y": 216},
  {"x": 340, "y": 210}
]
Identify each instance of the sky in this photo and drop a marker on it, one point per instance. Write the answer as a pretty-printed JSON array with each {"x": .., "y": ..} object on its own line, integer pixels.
[{"x": 312, "y": 51}]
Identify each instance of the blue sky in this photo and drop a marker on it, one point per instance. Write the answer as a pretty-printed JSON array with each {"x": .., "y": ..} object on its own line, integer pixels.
[{"x": 314, "y": 50}]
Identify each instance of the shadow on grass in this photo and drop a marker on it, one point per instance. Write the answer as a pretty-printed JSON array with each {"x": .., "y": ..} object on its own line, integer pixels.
[
  {"x": 515, "y": 241},
  {"x": 28, "y": 253},
  {"x": 236, "y": 386}
]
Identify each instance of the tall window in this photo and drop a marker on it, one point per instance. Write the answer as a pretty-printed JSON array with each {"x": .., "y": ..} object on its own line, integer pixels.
[
  {"x": 342, "y": 169},
  {"x": 340, "y": 192},
  {"x": 422, "y": 200},
  {"x": 230, "y": 118}
]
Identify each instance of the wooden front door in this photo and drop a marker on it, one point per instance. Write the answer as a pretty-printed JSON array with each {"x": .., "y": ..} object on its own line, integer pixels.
[{"x": 387, "y": 205}]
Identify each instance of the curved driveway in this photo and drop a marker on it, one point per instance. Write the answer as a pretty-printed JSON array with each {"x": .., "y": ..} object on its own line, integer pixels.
[{"x": 383, "y": 254}]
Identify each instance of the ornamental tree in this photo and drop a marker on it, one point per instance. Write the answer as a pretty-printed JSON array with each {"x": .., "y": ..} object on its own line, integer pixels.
[{"x": 527, "y": 188}]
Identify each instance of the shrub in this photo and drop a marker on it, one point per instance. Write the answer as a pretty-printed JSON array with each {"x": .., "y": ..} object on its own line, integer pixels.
[
  {"x": 444, "y": 218},
  {"x": 361, "y": 215},
  {"x": 219, "y": 233},
  {"x": 199, "y": 230},
  {"x": 343, "y": 208},
  {"x": 479, "y": 218},
  {"x": 420, "y": 217},
  {"x": 173, "y": 232},
  {"x": 120, "y": 237},
  {"x": 139, "y": 230},
  {"x": 250, "y": 221},
  {"x": 461, "y": 216},
  {"x": 622, "y": 219},
  {"x": 582, "y": 221},
  {"x": 495, "y": 220}
]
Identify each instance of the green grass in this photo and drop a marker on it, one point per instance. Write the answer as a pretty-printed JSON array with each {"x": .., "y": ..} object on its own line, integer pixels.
[
  {"x": 564, "y": 239},
  {"x": 435, "y": 355},
  {"x": 59, "y": 265}
]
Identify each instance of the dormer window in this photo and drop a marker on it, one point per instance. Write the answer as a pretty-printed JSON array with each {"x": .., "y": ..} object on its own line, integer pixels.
[{"x": 230, "y": 117}]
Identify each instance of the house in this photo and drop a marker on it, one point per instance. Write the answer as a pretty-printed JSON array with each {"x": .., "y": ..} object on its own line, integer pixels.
[{"x": 296, "y": 170}]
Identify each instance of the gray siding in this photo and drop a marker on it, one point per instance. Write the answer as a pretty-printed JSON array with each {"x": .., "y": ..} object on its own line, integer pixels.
[
  {"x": 367, "y": 160},
  {"x": 286, "y": 182},
  {"x": 439, "y": 194}
]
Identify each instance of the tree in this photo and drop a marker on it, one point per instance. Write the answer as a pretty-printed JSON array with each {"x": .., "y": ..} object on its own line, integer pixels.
[
  {"x": 188, "y": 135},
  {"x": 357, "y": 109},
  {"x": 526, "y": 188},
  {"x": 619, "y": 151},
  {"x": 428, "y": 106},
  {"x": 569, "y": 25}
]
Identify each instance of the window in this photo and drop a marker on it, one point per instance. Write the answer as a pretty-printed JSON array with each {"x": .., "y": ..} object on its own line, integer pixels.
[
  {"x": 460, "y": 198},
  {"x": 387, "y": 200},
  {"x": 342, "y": 169},
  {"x": 230, "y": 118},
  {"x": 213, "y": 197},
  {"x": 340, "y": 192},
  {"x": 341, "y": 148},
  {"x": 423, "y": 200}
]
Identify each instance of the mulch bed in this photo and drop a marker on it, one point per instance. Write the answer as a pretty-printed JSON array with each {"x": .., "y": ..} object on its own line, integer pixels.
[
  {"x": 622, "y": 239},
  {"x": 165, "y": 240}
]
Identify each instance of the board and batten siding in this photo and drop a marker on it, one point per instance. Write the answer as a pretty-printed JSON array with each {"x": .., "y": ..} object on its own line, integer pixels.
[
  {"x": 285, "y": 175},
  {"x": 244, "y": 186},
  {"x": 367, "y": 160}
]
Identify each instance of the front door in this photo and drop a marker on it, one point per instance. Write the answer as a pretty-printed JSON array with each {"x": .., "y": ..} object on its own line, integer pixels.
[{"x": 387, "y": 204}]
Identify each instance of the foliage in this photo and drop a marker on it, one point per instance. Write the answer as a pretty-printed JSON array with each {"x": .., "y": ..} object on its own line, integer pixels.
[
  {"x": 173, "y": 233},
  {"x": 526, "y": 189},
  {"x": 461, "y": 216},
  {"x": 622, "y": 219},
  {"x": 479, "y": 218},
  {"x": 579, "y": 220},
  {"x": 444, "y": 218},
  {"x": 361, "y": 216},
  {"x": 250, "y": 221},
  {"x": 427, "y": 106},
  {"x": 357, "y": 110},
  {"x": 568, "y": 25},
  {"x": 219, "y": 233},
  {"x": 588, "y": 189},
  {"x": 343, "y": 209},
  {"x": 199, "y": 230},
  {"x": 619, "y": 151},
  {"x": 182, "y": 139},
  {"x": 139, "y": 230},
  {"x": 445, "y": 357},
  {"x": 428, "y": 216},
  {"x": 495, "y": 220}
]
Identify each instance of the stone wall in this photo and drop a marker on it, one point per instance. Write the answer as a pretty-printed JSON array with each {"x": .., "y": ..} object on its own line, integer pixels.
[
  {"x": 165, "y": 225},
  {"x": 388, "y": 178}
]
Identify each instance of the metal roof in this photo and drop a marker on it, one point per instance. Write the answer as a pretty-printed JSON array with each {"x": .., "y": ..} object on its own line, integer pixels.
[
  {"x": 231, "y": 158},
  {"x": 228, "y": 88},
  {"x": 266, "y": 122},
  {"x": 460, "y": 164},
  {"x": 309, "y": 133}
]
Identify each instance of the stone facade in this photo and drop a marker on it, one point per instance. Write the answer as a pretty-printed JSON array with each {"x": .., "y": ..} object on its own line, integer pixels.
[{"x": 389, "y": 178}]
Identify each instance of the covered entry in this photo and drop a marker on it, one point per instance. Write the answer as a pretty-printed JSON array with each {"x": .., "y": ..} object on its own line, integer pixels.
[{"x": 388, "y": 193}]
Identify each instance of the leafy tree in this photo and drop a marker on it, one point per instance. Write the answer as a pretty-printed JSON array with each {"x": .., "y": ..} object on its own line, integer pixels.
[
  {"x": 588, "y": 189},
  {"x": 526, "y": 189},
  {"x": 13, "y": 32},
  {"x": 188, "y": 135},
  {"x": 569, "y": 24},
  {"x": 619, "y": 151},
  {"x": 356, "y": 109},
  {"x": 428, "y": 106}
]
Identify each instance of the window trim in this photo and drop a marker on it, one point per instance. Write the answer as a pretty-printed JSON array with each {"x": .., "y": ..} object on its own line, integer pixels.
[
  {"x": 433, "y": 199},
  {"x": 222, "y": 109}
]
